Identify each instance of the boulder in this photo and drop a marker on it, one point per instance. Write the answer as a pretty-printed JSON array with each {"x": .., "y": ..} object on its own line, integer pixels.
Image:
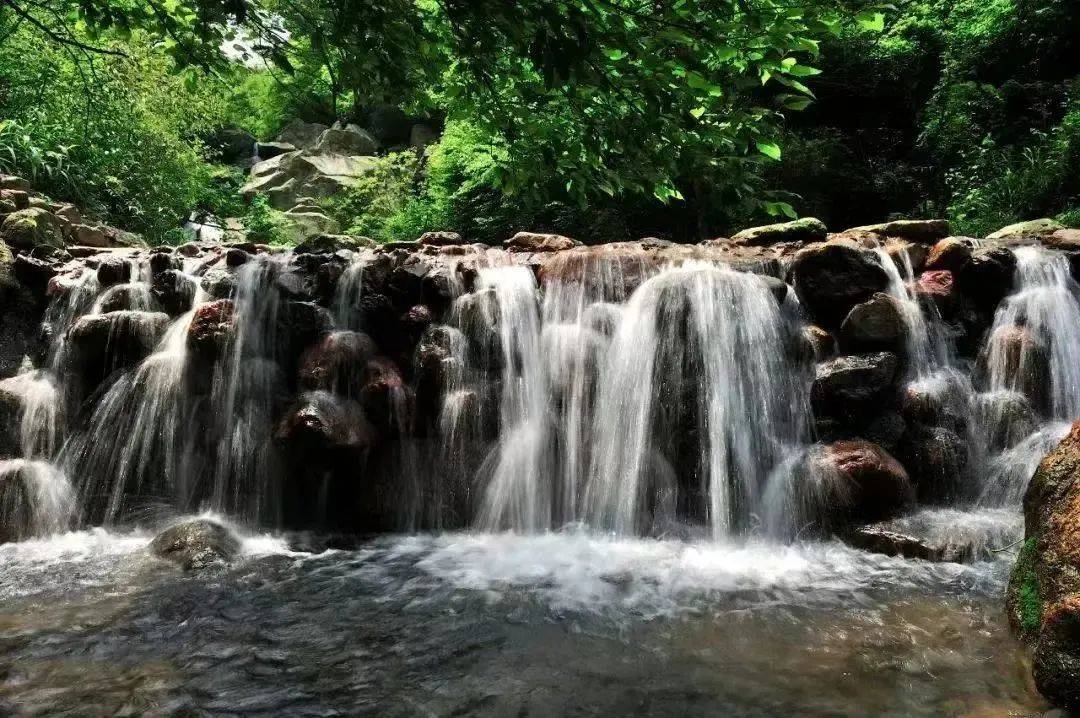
[
  {"x": 852, "y": 482},
  {"x": 336, "y": 363},
  {"x": 831, "y": 278},
  {"x": 1006, "y": 417},
  {"x": 112, "y": 270},
  {"x": 173, "y": 291},
  {"x": 286, "y": 178},
  {"x": 950, "y": 254},
  {"x": 849, "y": 389},
  {"x": 916, "y": 230},
  {"x": 441, "y": 239},
  {"x": 386, "y": 401},
  {"x": 939, "y": 288},
  {"x": 533, "y": 242},
  {"x": 884, "y": 539},
  {"x": 877, "y": 324},
  {"x": 321, "y": 421},
  {"x": 1016, "y": 358},
  {"x": 1030, "y": 229},
  {"x": 211, "y": 329},
  {"x": 11, "y": 182},
  {"x": 350, "y": 140},
  {"x": 907, "y": 254},
  {"x": 807, "y": 229},
  {"x": 301, "y": 135},
  {"x": 105, "y": 342},
  {"x": 988, "y": 277},
  {"x": 32, "y": 228},
  {"x": 817, "y": 342},
  {"x": 1042, "y": 599},
  {"x": 935, "y": 456},
  {"x": 1064, "y": 239},
  {"x": 196, "y": 544}
]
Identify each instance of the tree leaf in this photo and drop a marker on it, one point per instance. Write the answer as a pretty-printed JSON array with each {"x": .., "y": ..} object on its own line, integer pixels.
[{"x": 769, "y": 149}]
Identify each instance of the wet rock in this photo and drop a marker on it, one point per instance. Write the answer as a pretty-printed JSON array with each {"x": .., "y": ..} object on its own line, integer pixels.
[
  {"x": 32, "y": 228},
  {"x": 196, "y": 544},
  {"x": 935, "y": 402},
  {"x": 935, "y": 456},
  {"x": 939, "y": 288},
  {"x": 1043, "y": 591},
  {"x": 386, "y": 400},
  {"x": 211, "y": 329},
  {"x": 777, "y": 287},
  {"x": 173, "y": 291},
  {"x": 321, "y": 421},
  {"x": 907, "y": 254},
  {"x": 1015, "y": 357},
  {"x": 831, "y": 278},
  {"x": 336, "y": 363},
  {"x": 881, "y": 538},
  {"x": 1029, "y": 229},
  {"x": 886, "y": 429},
  {"x": 106, "y": 342},
  {"x": 855, "y": 481},
  {"x": 988, "y": 277},
  {"x": 1063, "y": 239},
  {"x": 533, "y": 242},
  {"x": 1008, "y": 417},
  {"x": 163, "y": 261},
  {"x": 113, "y": 270},
  {"x": 235, "y": 256},
  {"x": 219, "y": 283},
  {"x": 817, "y": 343},
  {"x": 851, "y": 388},
  {"x": 877, "y": 324},
  {"x": 950, "y": 254},
  {"x": 807, "y": 229}
]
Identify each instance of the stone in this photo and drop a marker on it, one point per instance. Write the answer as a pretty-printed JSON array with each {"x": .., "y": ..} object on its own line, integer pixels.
[
  {"x": 105, "y": 342},
  {"x": 877, "y": 324},
  {"x": 14, "y": 183},
  {"x": 905, "y": 253},
  {"x": 211, "y": 329},
  {"x": 1064, "y": 239},
  {"x": 1043, "y": 599},
  {"x": 89, "y": 235},
  {"x": 938, "y": 287},
  {"x": 1029, "y": 229},
  {"x": 831, "y": 278},
  {"x": 935, "y": 456},
  {"x": 173, "y": 291},
  {"x": 534, "y": 242},
  {"x": 441, "y": 239},
  {"x": 807, "y": 229},
  {"x": 988, "y": 277},
  {"x": 288, "y": 177},
  {"x": 196, "y": 544},
  {"x": 854, "y": 481},
  {"x": 30, "y": 229},
  {"x": 1020, "y": 360},
  {"x": 882, "y": 538},
  {"x": 850, "y": 388},
  {"x": 916, "y": 230},
  {"x": 384, "y": 395},
  {"x": 301, "y": 135},
  {"x": 336, "y": 363},
  {"x": 354, "y": 141},
  {"x": 330, "y": 243},
  {"x": 321, "y": 421},
  {"x": 113, "y": 270},
  {"x": 818, "y": 342},
  {"x": 269, "y": 150},
  {"x": 950, "y": 254}
]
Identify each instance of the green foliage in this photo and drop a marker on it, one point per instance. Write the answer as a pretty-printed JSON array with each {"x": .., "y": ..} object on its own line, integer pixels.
[
  {"x": 122, "y": 145},
  {"x": 1028, "y": 600},
  {"x": 264, "y": 224}
]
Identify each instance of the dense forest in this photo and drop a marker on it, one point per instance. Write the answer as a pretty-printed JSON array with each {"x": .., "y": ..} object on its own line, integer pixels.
[{"x": 600, "y": 119}]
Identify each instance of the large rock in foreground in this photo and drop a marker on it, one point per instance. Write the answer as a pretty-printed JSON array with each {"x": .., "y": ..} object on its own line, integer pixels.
[
  {"x": 854, "y": 481},
  {"x": 196, "y": 544},
  {"x": 1043, "y": 599}
]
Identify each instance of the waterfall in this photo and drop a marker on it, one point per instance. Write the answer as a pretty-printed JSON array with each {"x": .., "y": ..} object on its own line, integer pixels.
[{"x": 1030, "y": 376}]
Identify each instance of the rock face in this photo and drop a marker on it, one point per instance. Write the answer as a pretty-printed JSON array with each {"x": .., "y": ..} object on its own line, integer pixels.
[
  {"x": 1044, "y": 592},
  {"x": 290, "y": 176},
  {"x": 196, "y": 544},
  {"x": 831, "y": 278}
]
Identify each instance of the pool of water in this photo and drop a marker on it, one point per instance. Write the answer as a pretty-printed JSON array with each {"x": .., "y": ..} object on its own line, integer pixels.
[{"x": 497, "y": 624}]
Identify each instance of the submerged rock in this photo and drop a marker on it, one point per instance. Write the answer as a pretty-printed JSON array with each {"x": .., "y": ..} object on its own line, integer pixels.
[
  {"x": 196, "y": 544},
  {"x": 882, "y": 538}
]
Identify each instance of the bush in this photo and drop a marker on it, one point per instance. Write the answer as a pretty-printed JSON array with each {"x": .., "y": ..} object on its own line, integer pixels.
[{"x": 264, "y": 224}]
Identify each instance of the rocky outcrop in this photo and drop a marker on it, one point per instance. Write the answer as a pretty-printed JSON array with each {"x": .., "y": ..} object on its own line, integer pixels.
[
  {"x": 1043, "y": 599},
  {"x": 286, "y": 178}
]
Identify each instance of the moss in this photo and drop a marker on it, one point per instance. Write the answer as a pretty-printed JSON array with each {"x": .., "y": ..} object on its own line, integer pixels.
[{"x": 1026, "y": 600}]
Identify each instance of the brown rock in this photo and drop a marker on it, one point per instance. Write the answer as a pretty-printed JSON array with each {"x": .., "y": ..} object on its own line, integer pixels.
[
  {"x": 533, "y": 242},
  {"x": 949, "y": 254}
]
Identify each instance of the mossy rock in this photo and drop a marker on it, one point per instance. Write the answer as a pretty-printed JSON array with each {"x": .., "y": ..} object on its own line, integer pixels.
[
  {"x": 1031, "y": 228},
  {"x": 28, "y": 229},
  {"x": 1022, "y": 598},
  {"x": 807, "y": 229}
]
